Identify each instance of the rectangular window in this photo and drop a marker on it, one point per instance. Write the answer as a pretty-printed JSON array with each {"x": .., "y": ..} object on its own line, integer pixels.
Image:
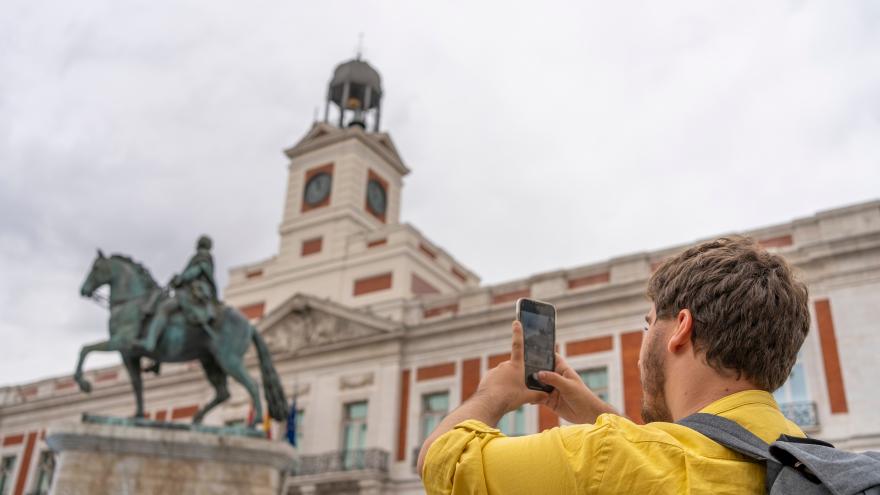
[
  {"x": 596, "y": 380},
  {"x": 513, "y": 424},
  {"x": 434, "y": 408},
  {"x": 795, "y": 388},
  {"x": 45, "y": 470},
  {"x": 7, "y": 467},
  {"x": 794, "y": 400},
  {"x": 354, "y": 435}
]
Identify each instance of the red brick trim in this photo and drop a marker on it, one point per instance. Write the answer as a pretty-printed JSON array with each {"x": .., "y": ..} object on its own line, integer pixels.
[
  {"x": 13, "y": 439},
  {"x": 403, "y": 417},
  {"x": 497, "y": 359},
  {"x": 420, "y": 286},
  {"x": 311, "y": 246},
  {"x": 28, "y": 392},
  {"x": 161, "y": 415},
  {"x": 631, "y": 343},
  {"x": 546, "y": 418},
  {"x": 253, "y": 311},
  {"x": 25, "y": 463},
  {"x": 64, "y": 384},
  {"x": 432, "y": 312},
  {"x": 470, "y": 377},
  {"x": 374, "y": 176},
  {"x": 599, "y": 278},
  {"x": 773, "y": 242},
  {"x": 377, "y": 242},
  {"x": 254, "y": 274},
  {"x": 830, "y": 357},
  {"x": 435, "y": 371},
  {"x": 107, "y": 376},
  {"x": 510, "y": 296},
  {"x": 459, "y": 274},
  {"x": 588, "y": 346},
  {"x": 327, "y": 168},
  {"x": 372, "y": 284},
  {"x": 184, "y": 412}
]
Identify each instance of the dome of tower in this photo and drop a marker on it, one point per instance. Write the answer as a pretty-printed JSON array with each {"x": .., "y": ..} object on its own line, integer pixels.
[{"x": 358, "y": 74}]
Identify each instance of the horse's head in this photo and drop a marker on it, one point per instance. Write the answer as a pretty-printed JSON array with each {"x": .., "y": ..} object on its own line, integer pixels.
[{"x": 99, "y": 275}]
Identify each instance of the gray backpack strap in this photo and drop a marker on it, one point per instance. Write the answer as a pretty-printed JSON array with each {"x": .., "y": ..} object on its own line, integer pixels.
[
  {"x": 733, "y": 436},
  {"x": 840, "y": 471},
  {"x": 729, "y": 434}
]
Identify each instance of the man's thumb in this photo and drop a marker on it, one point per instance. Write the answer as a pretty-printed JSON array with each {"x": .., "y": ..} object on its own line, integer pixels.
[{"x": 554, "y": 379}]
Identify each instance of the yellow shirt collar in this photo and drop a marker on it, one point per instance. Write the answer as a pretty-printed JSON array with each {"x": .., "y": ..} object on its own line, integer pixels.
[{"x": 740, "y": 399}]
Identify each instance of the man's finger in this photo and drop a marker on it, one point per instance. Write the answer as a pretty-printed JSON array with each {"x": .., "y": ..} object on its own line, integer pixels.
[
  {"x": 554, "y": 379},
  {"x": 516, "y": 349}
]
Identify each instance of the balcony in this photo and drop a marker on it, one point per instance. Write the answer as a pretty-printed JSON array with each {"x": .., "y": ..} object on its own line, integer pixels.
[
  {"x": 803, "y": 414},
  {"x": 373, "y": 461}
]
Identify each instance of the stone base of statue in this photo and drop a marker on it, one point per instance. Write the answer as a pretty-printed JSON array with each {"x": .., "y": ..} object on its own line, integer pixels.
[{"x": 152, "y": 458}]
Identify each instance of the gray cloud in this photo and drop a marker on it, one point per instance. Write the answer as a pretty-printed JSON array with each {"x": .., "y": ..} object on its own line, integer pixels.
[{"x": 539, "y": 136}]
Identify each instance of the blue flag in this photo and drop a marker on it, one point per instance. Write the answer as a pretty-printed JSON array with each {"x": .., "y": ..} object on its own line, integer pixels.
[{"x": 291, "y": 423}]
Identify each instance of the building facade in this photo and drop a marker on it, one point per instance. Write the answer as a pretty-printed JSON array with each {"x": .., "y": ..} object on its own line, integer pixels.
[{"x": 377, "y": 332}]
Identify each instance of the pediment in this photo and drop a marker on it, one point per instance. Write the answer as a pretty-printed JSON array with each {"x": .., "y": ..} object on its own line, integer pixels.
[
  {"x": 307, "y": 322},
  {"x": 322, "y": 134}
]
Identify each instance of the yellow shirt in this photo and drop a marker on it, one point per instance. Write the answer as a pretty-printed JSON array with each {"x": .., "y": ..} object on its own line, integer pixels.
[{"x": 614, "y": 455}]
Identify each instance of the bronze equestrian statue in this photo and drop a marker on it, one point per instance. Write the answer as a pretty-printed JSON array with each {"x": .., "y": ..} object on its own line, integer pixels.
[{"x": 190, "y": 324}]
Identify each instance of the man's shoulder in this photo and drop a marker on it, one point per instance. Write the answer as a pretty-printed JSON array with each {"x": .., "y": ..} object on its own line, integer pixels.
[{"x": 623, "y": 434}]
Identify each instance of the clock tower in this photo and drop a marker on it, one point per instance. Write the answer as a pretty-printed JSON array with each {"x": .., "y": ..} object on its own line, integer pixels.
[{"x": 340, "y": 234}]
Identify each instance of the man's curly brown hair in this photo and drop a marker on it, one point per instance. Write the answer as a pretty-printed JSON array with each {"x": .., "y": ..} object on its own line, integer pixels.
[{"x": 750, "y": 313}]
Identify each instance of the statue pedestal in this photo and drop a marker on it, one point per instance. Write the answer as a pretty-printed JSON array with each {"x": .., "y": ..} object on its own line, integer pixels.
[{"x": 98, "y": 459}]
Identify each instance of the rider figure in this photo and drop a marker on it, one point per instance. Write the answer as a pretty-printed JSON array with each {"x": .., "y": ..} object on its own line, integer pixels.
[{"x": 195, "y": 294}]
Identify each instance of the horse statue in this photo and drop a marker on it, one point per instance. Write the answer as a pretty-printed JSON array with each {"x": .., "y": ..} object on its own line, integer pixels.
[{"x": 133, "y": 296}]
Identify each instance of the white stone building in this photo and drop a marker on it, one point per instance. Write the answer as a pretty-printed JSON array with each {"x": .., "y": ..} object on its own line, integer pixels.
[{"x": 377, "y": 331}]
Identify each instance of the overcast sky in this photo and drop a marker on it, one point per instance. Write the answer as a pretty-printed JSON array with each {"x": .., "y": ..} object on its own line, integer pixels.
[{"x": 542, "y": 135}]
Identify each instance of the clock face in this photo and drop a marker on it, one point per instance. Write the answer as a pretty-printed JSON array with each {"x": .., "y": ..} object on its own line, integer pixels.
[
  {"x": 376, "y": 197},
  {"x": 317, "y": 189}
]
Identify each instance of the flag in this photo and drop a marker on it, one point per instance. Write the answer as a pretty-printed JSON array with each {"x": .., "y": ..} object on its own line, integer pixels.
[
  {"x": 267, "y": 426},
  {"x": 291, "y": 423}
]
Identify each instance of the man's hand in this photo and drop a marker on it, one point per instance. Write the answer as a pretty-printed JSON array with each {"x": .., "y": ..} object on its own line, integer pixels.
[
  {"x": 502, "y": 390},
  {"x": 571, "y": 399},
  {"x": 505, "y": 384}
]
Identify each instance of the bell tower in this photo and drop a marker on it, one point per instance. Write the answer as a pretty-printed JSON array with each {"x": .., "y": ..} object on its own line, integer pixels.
[
  {"x": 343, "y": 178},
  {"x": 340, "y": 234}
]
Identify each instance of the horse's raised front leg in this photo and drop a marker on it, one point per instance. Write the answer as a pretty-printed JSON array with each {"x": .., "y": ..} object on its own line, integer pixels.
[
  {"x": 106, "y": 346},
  {"x": 133, "y": 366}
]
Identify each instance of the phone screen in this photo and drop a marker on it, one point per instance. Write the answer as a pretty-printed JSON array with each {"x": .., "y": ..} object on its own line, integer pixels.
[{"x": 539, "y": 333}]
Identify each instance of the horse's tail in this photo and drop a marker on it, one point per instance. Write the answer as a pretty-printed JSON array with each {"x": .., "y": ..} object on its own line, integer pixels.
[{"x": 277, "y": 404}]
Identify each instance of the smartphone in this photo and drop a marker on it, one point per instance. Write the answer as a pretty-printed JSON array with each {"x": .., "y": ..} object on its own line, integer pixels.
[{"x": 538, "y": 320}]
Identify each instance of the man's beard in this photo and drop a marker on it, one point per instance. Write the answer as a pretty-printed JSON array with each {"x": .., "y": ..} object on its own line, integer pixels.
[{"x": 654, "y": 407}]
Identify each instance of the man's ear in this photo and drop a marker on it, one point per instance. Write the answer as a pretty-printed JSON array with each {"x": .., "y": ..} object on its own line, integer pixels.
[{"x": 680, "y": 338}]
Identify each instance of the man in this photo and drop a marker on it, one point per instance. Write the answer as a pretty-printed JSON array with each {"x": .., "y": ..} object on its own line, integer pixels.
[
  {"x": 195, "y": 294},
  {"x": 726, "y": 322}
]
